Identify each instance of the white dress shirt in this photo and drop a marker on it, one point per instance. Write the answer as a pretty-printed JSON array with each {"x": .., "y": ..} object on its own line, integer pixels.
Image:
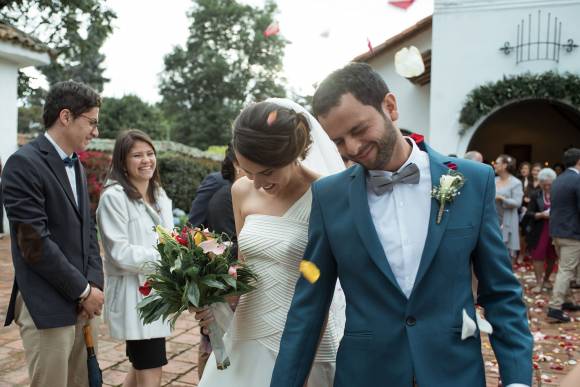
[
  {"x": 71, "y": 174},
  {"x": 70, "y": 170},
  {"x": 401, "y": 219}
]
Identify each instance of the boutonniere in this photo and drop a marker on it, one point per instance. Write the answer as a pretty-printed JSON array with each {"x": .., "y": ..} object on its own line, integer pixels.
[{"x": 448, "y": 189}]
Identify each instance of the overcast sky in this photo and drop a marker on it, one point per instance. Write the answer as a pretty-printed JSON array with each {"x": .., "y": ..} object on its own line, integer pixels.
[{"x": 146, "y": 30}]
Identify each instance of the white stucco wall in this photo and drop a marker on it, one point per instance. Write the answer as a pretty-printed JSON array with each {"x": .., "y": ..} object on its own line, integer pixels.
[
  {"x": 12, "y": 57},
  {"x": 412, "y": 100},
  {"x": 467, "y": 36}
]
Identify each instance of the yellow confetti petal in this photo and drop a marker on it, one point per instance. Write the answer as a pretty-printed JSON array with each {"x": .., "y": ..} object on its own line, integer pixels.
[{"x": 309, "y": 271}]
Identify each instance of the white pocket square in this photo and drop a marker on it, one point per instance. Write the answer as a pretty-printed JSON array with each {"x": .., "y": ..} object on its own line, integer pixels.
[
  {"x": 469, "y": 326},
  {"x": 483, "y": 325}
]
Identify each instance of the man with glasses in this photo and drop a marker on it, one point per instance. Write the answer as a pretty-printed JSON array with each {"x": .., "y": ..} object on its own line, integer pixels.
[{"x": 58, "y": 269}]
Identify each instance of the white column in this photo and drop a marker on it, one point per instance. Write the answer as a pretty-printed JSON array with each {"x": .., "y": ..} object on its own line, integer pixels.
[{"x": 8, "y": 113}]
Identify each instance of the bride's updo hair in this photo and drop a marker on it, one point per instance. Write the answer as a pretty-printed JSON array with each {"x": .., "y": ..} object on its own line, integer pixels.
[{"x": 271, "y": 135}]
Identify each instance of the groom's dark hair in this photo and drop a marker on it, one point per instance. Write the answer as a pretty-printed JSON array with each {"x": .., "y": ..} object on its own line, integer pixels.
[{"x": 359, "y": 79}]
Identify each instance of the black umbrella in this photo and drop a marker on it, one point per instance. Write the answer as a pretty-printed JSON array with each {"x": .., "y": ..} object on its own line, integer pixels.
[{"x": 95, "y": 374}]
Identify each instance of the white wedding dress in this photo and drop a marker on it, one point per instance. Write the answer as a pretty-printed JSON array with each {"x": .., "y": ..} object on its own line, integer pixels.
[{"x": 274, "y": 247}]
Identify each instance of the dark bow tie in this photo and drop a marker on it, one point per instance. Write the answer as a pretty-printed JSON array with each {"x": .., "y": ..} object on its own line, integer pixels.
[
  {"x": 70, "y": 161},
  {"x": 381, "y": 183}
]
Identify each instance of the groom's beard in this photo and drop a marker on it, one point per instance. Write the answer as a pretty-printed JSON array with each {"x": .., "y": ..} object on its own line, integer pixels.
[{"x": 385, "y": 146}]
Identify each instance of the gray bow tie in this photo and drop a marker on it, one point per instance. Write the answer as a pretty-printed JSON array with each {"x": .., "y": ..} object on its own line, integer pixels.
[{"x": 381, "y": 183}]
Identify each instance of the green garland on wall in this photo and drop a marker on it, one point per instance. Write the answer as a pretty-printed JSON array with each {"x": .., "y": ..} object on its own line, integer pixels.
[{"x": 549, "y": 85}]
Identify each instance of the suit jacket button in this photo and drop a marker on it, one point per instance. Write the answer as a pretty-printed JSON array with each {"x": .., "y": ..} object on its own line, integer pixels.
[{"x": 410, "y": 321}]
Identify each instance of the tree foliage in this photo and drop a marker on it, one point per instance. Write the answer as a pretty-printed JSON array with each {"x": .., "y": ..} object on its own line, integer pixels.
[
  {"x": 226, "y": 62},
  {"x": 75, "y": 30},
  {"x": 130, "y": 112}
]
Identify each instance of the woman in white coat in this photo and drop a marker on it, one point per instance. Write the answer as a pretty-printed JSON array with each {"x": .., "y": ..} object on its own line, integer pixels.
[{"x": 132, "y": 203}]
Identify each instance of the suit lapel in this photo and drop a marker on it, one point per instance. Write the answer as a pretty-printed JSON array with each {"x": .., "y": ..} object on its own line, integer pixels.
[
  {"x": 435, "y": 231},
  {"x": 364, "y": 224},
  {"x": 56, "y": 165},
  {"x": 82, "y": 189}
]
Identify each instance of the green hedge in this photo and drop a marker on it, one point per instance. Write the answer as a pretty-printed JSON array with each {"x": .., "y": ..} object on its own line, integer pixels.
[
  {"x": 549, "y": 85},
  {"x": 181, "y": 175}
]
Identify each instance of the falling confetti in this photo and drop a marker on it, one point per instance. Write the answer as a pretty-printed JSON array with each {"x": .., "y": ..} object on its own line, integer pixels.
[
  {"x": 273, "y": 29},
  {"x": 403, "y": 4},
  {"x": 309, "y": 271},
  {"x": 409, "y": 62}
]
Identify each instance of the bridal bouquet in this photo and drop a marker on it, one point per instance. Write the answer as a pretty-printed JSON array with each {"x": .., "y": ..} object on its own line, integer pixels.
[{"x": 196, "y": 269}]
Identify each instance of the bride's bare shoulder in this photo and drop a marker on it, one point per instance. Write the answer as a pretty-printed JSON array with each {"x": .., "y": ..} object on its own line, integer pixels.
[{"x": 242, "y": 187}]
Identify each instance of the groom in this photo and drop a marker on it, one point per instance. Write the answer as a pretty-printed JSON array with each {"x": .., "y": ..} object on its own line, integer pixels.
[{"x": 406, "y": 278}]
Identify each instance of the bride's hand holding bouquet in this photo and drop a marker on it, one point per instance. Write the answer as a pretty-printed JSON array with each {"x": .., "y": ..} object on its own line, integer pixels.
[{"x": 196, "y": 270}]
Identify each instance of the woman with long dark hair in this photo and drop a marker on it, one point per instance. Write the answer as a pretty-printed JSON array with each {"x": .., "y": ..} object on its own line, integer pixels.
[{"x": 132, "y": 203}]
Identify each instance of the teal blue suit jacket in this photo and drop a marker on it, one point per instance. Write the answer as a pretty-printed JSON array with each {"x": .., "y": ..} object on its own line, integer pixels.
[{"x": 389, "y": 339}]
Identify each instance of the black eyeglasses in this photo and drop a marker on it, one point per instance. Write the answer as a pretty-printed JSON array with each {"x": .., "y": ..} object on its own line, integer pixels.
[{"x": 92, "y": 122}]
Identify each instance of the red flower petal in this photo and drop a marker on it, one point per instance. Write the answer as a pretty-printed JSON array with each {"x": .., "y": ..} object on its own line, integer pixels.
[
  {"x": 181, "y": 240},
  {"x": 145, "y": 289}
]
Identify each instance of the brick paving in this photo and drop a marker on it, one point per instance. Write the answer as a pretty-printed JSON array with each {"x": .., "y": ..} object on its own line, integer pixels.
[
  {"x": 181, "y": 346},
  {"x": 556, "y": 348}
]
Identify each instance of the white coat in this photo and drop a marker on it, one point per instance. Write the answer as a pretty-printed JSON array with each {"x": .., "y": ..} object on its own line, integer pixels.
[{"x": 126, "y": 230}]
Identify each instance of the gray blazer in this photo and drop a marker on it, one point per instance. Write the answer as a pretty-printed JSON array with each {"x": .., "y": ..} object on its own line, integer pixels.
[{"x": 507, "y": 211}]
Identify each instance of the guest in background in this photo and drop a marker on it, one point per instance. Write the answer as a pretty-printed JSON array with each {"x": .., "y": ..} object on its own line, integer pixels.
[
  {"x": 508, "y": 199},
  {"x": 565, "y": 230},
  {"x": 55, "y": 251},
  {"x": 131, "y": 205},
  {"x": 559, "y": 168},
  {"x": 526, "y": 179},
  {"x": 474, "y": 155},
  {"x": 208, "y": 186},
  {"x": 220, "y": 213},
  {"x": 220, "y": 219},
  {"x": 535, "y": 186},
  {"x": 538, "y": 231}
]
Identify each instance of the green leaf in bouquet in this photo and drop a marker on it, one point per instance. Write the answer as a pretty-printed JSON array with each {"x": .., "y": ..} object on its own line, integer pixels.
[
  {"x": 192, "y": 272},
  {"x": 212, "y": 283},
  {"x": 193, "y": 294},
  {"x": 230, "y": 281},
  {"x": 147, "y": 300}
]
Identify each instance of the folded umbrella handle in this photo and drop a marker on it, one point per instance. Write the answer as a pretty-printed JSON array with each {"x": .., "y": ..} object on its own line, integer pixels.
[{"x": 88, "y": 332}]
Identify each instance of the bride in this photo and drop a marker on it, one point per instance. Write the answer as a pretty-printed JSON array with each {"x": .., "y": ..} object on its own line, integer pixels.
[{"x": 282, "y": 149}]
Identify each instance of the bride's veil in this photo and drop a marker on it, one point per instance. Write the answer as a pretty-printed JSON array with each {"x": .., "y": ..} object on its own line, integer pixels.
[{"x": 323, "y": 158}]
